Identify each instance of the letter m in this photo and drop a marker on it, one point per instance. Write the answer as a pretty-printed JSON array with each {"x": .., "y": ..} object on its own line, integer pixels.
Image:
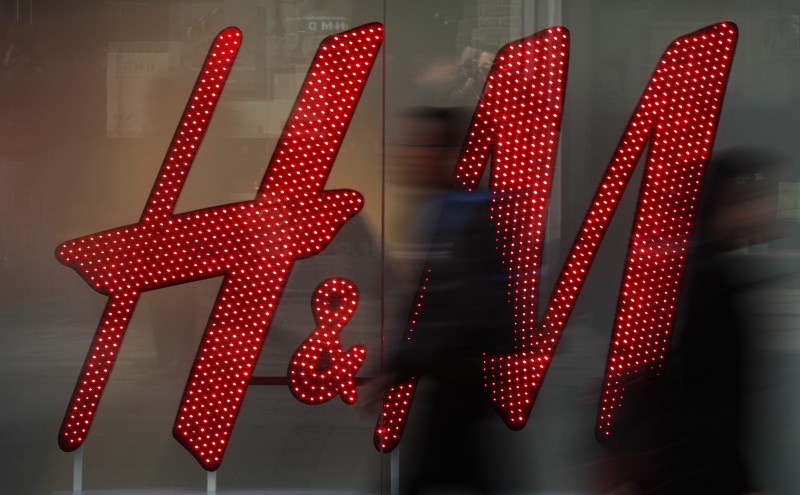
[{"x": 517, "y": 125}]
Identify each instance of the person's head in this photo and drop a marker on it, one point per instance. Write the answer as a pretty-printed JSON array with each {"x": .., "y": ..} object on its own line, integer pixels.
[
  {"x": 427, "y": 147},
  {"x": 485, "y": 60},
  {"x": 740, "y": 200},
  {"x": 477, "y": 60}
]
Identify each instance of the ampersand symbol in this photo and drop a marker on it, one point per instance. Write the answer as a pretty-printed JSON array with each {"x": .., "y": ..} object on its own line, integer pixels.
[{"x": 320, "y": 368}]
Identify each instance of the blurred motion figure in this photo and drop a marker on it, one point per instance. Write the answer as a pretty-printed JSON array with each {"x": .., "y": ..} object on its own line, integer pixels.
[
  {"x": 464, "y": 312},
  {"x": 683, "y": 431},
  {"x": 715, "y": 346}
]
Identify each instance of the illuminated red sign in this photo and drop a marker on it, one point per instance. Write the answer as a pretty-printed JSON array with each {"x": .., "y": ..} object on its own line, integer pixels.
[
  {"x": 252, "y": 244},
  {"x": 517, "y": 123},
  {"x": 313, "y": 380},
  {"x": 255, "y": 244}
]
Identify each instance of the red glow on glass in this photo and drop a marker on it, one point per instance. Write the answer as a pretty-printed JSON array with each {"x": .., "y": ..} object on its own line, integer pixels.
[
  {"x": 397, "y": 400},
  {"x": 253, "y": 244},
  {"x": 517, "y": 123}
]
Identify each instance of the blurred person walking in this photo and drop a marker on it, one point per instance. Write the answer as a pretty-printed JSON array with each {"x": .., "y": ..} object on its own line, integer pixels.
[
  {"x": 464, "y": 313},
  {"x": 683, "y": 431}
]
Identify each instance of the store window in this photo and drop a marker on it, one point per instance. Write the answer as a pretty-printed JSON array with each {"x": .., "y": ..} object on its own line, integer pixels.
[{"x": 90, "y": 96}]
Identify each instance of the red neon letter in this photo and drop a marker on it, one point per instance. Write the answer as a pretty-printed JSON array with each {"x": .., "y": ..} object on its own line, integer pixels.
[
  {"x": 253, "y": 244},
  {"x": 321, "y": 368},
  {"x": 517, "y": 123}
]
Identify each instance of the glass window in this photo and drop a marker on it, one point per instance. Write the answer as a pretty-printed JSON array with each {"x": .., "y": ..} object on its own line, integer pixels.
[{"x": 91, "y": 94}]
